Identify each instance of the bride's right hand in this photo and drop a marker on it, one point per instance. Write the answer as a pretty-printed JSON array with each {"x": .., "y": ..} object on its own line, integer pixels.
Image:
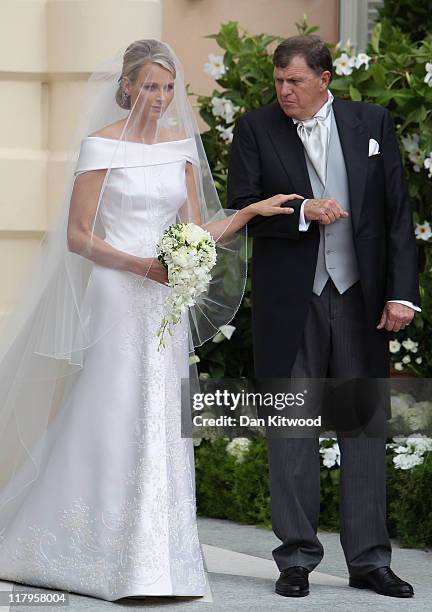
[
  {"x": 151, "y": 267},
  {"x": 273, "y": 206}
]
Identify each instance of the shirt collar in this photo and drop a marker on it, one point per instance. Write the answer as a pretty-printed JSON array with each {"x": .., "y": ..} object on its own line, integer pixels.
[{"x": 324, "y": 110}]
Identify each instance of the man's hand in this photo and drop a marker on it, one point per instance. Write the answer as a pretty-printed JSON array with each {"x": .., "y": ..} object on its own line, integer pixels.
[
  {"x": 395, "y": 316},
  {"x": 325, "y": 211}
]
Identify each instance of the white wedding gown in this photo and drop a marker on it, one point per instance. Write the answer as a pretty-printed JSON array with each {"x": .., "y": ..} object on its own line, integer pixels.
[{"x": 112, "y": 513}]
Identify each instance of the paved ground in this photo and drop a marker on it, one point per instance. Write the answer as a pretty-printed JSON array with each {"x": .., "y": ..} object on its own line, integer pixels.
[{"x": 241, "y": 575}]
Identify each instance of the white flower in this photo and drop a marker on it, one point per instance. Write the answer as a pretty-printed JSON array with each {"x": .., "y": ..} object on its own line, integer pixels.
[
  {"x": 419, "y": 360},
  {"x": 428, "y": 77},
  {"x": 221, "y": 107},
  {"x": 226, "y": 133},
  {"x": 330, "y": 455},
  {"x": 183, "y": 259},
  {"x": 195, "y": 233},
  {"x": 423, "y": 230},
  {"x": 428, "y": 164},
  {"x": 398, "y": 366},
  {"x": 225, "y": 332},
  {"x": 411, "y": 450},
  {"x": 215, "y": 66},
  {"x": 401, "y": 403},
  {"x": 407, "y": 461},
  {"x": 362, "y": 59},
  {"x": 238, "y": 448},
  {"x": 418, "y": 443},
  {"x": 410, "y": 345},
  {"x": 411, "y": 146},
  {"x": 394, "y": 346},
  {"x": 411, "y": 142},
  {"x": 193, "y": 359},
  {"x": 406, "y": 359},
  {"x": 417, "y": 417},
  {"x": 189, "y": 252},
  {"x": 344, "y": 64},
  {"x": 347, "y": 46}
]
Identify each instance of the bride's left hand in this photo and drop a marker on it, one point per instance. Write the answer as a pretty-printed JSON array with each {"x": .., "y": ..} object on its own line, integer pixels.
[{"x": 273, "y": 206}]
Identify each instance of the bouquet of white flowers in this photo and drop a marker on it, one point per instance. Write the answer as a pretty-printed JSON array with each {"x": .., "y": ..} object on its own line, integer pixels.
[{"x": 189, "y": 253}]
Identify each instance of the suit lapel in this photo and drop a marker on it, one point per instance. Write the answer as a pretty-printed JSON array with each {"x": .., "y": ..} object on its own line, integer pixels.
[
  {"x": 289, "y": 149},
  {"x": 353, "y": 135}
]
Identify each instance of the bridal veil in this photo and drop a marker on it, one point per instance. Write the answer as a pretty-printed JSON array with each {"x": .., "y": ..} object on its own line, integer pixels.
[{"x": 45, "y": 336}]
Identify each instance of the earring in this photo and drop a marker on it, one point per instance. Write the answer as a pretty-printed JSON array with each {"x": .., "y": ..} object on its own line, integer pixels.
[{"x": 124, "y": 97}]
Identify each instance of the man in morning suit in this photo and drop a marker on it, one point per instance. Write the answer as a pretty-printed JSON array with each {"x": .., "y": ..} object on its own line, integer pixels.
[{"x": 330, "y": 281}]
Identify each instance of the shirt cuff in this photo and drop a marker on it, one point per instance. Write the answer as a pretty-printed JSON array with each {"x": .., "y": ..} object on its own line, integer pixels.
[
  {"x": 303, "y": 224},
  {"x": 406, "y": 303}
]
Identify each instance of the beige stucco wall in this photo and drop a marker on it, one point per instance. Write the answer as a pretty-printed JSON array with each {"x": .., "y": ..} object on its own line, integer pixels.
[
  {"x": 48, "y": 49},
  {"x": 185, "y": 23}
]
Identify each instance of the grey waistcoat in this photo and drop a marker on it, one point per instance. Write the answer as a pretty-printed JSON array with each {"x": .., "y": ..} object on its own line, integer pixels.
[{"x": 336, "y": 253}]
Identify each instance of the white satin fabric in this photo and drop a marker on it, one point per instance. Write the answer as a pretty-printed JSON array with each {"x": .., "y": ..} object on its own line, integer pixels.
[{"x": 112, "y": 513}]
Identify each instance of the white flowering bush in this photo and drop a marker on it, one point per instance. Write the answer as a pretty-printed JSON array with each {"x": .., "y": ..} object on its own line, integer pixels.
[
  {"x": 396, "y": 72},
  {"x": 405, "y": 353},
  {"x": 330, "y": 452},
  {"x": 215, "y": 66},
  {"x": 232, "y": 483},
  {"x": 238, "y": 448},
  {"x": 409, "y": 414},
  {"x": 189, "y": 253},
  {"x": 409, "y": 452}
]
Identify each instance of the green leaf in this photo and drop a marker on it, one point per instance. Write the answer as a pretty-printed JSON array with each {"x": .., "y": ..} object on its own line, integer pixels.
[
  {"x": 335, "y": 475},
  {"x": 375, "y": 37},
  {"x": 378, "y": 74},
  {"x": 339, "y": 84},
  {"x": 416, "y": 116},
  {"x": 355, "y": 94},
  {"x": 362, "y": 75}
]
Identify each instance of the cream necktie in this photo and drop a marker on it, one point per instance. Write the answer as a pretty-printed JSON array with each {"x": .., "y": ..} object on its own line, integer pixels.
[{"x": 314, "y": 135}]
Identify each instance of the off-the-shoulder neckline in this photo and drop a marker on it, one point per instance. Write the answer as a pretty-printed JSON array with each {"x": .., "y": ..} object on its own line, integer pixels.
[{"x": 146, "y": 144}]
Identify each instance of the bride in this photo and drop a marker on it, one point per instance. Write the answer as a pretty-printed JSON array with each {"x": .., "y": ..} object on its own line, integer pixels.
[{"x": 97, "y": 483}]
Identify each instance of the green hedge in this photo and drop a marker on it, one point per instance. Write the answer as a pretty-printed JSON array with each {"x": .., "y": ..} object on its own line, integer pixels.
[
  {"x": 414, "y": 17},
  {"x": 227, "y": 488}
]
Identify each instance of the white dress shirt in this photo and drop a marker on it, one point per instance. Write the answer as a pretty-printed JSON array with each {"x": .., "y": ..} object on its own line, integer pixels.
[{"x": 303, "y": 224}]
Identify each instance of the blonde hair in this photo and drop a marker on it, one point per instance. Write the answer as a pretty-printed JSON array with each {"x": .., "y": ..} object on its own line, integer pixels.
[{"x": 136, "y": 55}]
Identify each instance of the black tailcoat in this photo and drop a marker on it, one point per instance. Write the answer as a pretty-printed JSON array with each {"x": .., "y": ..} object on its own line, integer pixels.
[{"x": 267, "y": 158}]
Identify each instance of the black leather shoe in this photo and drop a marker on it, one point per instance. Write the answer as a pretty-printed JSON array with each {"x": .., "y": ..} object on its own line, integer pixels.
[
  {"x": 383, "y": 581},
  {"x": 293, "y": 582}
]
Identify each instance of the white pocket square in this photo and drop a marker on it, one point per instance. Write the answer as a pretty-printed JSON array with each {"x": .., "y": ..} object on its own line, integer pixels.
[{"x": 373, "y": 147}]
